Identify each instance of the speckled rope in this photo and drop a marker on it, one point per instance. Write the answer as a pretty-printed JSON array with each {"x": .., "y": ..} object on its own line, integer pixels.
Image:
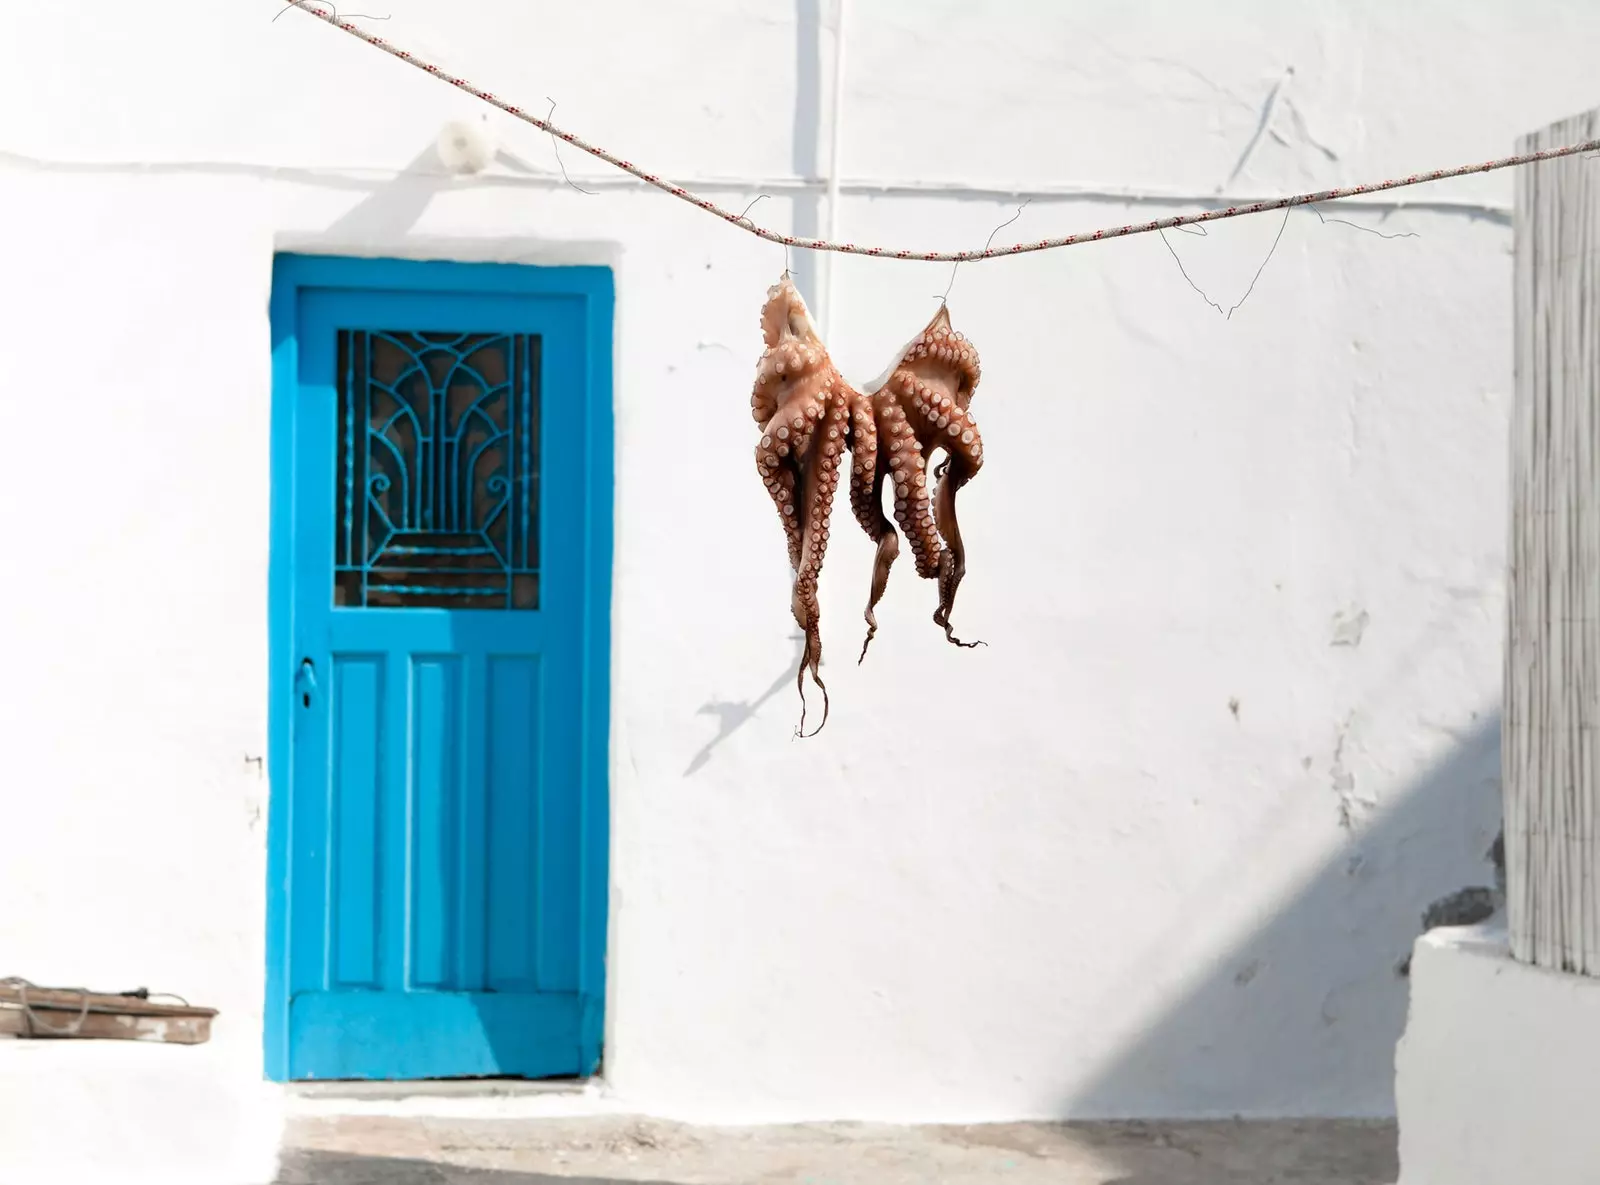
[{"x": 1110, "y": 232}]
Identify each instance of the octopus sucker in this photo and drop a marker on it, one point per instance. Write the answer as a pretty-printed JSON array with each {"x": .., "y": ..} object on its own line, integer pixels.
[
  {"x": 809, "y": 407},
  {"x": 921, "y": 406}
]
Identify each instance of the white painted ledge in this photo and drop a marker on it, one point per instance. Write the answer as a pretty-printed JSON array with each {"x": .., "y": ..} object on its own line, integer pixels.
[
  {"x": 1496, "y": 1075},
  {"x": 134, "y": 1113}
]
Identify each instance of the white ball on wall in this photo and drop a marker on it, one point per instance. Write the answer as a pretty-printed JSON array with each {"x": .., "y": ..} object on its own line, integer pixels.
[{"x": 466, "y": 145}]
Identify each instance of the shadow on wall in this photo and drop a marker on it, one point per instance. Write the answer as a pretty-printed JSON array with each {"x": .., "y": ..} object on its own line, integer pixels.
[
  {"x": 388, "y": 213},
  {"x": 807, "y": 211},
  {"x": 733, "y": 715},
  {"x": 1301, "y": 1019}
]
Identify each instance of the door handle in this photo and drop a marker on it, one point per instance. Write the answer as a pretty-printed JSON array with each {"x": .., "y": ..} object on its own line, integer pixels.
[{"x": 305, "y": 683}]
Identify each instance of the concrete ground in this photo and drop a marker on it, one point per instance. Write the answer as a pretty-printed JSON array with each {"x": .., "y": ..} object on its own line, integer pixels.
[{"x": 364, "y": 1150}]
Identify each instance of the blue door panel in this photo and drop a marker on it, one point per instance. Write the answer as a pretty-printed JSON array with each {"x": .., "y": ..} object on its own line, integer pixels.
[
  {"x": 437, "y": 759},
  {"x": 392, "y": 1037},
  {"x": 357, "y": 905},
  {"x": 437, "y": 792}
]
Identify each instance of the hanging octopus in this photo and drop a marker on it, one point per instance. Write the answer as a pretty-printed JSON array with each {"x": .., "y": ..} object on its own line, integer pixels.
[
  {"x": 803, "y": 407},
  {"x": 920, "y": 405}
]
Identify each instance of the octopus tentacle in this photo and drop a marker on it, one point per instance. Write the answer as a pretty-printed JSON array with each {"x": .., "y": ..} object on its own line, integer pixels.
[
  {"x": 888, "y": 552},
  {"x": 820, "y": 484},
  {"x": 867, "y": 474},
  {"x": 921, "y": 408},
  {"x": 953, "y": 561},
  {"x": 812, "y": 501},
  {"x": 779, "y": 480},
  {"x": 956, "y": 433},
  {"x": 763, "y": 401},
  {"x": 862, "y": 441},
  {"x": 913, "y": 507},
  {"x": 803, "y": 406}
]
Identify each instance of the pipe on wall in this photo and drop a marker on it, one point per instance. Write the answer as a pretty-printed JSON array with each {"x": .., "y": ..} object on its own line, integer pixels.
[{"x": 836, "y": 124}]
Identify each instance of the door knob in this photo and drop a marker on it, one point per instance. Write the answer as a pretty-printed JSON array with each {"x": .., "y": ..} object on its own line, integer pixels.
[{"x": 305, "y": 683}]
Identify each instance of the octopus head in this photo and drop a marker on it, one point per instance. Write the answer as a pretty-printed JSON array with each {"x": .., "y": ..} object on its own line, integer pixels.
[
  {"x": 939, "y": 357},
  {"x": 956, "y": 352},
  {"x": 784, "y": 318}
]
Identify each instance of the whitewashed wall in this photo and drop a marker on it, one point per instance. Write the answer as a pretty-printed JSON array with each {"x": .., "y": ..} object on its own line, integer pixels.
[{"x": 1061, "y": 875}]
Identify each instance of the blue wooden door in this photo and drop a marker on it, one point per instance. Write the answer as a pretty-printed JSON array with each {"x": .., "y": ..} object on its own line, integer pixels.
[{"x": 444, "y": 831}]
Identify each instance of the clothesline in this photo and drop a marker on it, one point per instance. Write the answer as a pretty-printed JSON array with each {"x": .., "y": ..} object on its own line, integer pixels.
[{"x": 743, "y": 222}]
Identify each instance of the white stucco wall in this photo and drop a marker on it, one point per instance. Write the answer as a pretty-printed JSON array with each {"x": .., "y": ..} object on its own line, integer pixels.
[
  {"x": 1492, "y": 1075},
  {"x": 1058, "y": 876}
]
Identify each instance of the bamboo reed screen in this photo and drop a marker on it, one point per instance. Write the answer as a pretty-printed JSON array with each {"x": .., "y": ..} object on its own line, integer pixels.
[{"x": 1552, "y": 681}]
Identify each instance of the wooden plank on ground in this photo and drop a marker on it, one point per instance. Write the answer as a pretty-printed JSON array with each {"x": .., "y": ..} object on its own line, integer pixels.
[
  {"x": 72, "y": 1001},
  {"x": 65, "y": 1024}
]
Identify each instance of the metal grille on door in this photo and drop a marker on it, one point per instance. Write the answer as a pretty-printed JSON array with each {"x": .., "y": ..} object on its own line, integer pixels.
[{"x": 438, "y": 482}]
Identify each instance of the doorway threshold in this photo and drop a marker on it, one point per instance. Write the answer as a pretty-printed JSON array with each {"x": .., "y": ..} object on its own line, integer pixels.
[{"x": 461, "y": 1098}]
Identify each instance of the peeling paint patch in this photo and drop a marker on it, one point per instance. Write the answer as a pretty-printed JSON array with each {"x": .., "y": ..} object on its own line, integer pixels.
[
  {"x": 1348, "y": 626},
  {"x": 1335, "y": 1005},
  {"x": 1464, "y": 907},
  {"x": 1352, "y": 806}
]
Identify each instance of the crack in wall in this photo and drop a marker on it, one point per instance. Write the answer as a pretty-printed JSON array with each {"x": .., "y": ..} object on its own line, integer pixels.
[{"x": 1353, "y": 807}]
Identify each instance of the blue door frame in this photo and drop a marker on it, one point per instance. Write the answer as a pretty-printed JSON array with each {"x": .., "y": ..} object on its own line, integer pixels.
[{"x": 534, "y": 654}]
